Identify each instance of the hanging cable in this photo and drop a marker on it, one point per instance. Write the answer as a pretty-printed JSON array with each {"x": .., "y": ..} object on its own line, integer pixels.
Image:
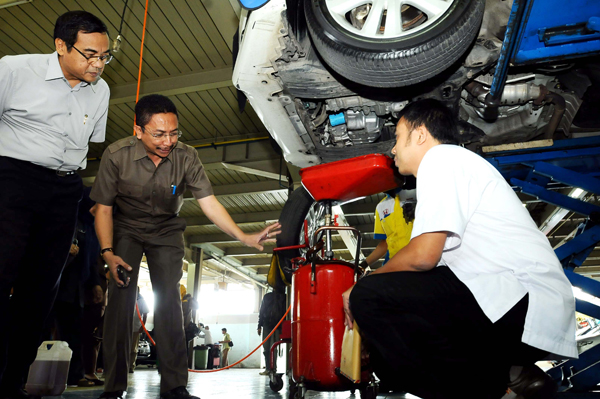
[
  {"x": 116, "y": 44},
  {"x": 123, "y": 17}
]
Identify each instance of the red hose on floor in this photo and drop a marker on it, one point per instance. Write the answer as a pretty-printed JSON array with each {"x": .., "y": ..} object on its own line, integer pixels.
[{"x": 223, "y": 368}]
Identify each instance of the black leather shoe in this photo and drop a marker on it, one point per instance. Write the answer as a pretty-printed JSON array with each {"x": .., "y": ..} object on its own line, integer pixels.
[
  {"x": 112, "y": 395},
  {"x": 533, "y": 383},
  {"x": 177, "y": 393}
]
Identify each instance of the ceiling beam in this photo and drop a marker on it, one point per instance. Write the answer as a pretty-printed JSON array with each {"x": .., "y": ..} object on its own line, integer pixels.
[
  {"x": 247, "y": 251},
  {"x": 236, "y": 7},
  {"x": 265, "y": 261},
  {"x": 228, "y": 190},
  {"x": 368, "y": 244},
  {"x": 252, "y": 171},
  {"x": 349, "y": 237},
  {"x": 269, "y": 167},
  {"x": 557, "y": 214},
  {"x": 224, "y": 238},
  {"x": 231, "y": 264},
  {"x": 268, "y": 187},
  {"x": 225, "y": 18},
  {"x": 173, "y": 85},
  {"x": 210, "y": 238},
  {"x": 359, "y": 209},
  {"x": 256, "y": 217}
]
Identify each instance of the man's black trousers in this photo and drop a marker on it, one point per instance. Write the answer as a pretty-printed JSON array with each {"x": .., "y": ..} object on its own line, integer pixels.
[
  {"x": 68, "y": 324},
  {"x": 428, "y": 336},
  {"x": 38, "y": 213},
  {"x": 164, "y": 249}
]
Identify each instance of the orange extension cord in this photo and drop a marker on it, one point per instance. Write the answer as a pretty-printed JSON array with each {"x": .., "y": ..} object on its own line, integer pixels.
[
  {"x": 139, "y": 81},
  {"x": 223, "y": 368}
]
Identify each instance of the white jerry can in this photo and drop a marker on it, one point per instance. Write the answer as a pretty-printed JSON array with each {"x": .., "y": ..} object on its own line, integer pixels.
[{"x": 48, "y": 373}]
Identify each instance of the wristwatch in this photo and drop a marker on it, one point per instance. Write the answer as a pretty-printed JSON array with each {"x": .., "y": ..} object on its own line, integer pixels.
[{"x": 102, "y": 251}]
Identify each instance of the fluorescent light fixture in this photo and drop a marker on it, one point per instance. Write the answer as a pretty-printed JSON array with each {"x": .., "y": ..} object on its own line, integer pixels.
[
  {"x": 560, "y": 213},
  {"x": 8, "y": 3},
  {"x": 576, "y": 193},
  {"x": 584, "y": 296}
]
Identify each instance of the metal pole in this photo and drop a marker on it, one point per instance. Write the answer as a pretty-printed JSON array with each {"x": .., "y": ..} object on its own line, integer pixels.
[
  {"x": 197, "y": 257},
  {"x": 328, "y": 222}
]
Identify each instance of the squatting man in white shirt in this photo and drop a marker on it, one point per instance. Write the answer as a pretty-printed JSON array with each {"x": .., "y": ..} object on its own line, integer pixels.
[{"x": 478, "y": 295}]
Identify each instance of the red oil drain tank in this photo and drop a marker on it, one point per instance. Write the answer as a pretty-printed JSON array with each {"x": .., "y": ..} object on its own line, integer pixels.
[{"x": 318, "y": 324}]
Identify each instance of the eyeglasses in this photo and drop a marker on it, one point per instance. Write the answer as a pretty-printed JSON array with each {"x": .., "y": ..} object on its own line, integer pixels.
[
  {"x": 106, "y": 58},
  {"x": 160, "y": 136}
]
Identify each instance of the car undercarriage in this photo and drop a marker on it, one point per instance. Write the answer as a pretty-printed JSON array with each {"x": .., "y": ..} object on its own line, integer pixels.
[{"x": 337, "y": 118}]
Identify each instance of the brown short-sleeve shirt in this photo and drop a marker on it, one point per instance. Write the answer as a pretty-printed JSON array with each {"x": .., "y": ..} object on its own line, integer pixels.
[{"x": 142, "y": 192}]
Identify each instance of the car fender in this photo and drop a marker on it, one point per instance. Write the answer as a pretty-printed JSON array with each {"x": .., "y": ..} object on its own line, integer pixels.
[{"x": 253, "y": 76}]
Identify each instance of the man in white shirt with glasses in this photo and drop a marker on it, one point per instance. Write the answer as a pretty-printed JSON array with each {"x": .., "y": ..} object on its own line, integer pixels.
[{"x": 51, "y": 107}]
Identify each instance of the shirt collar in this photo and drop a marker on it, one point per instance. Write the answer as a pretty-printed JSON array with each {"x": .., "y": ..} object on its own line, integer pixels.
[
  {"x": 54, "y": 69},
  {"x": 55, "y": 72},
  {"x": 140, "y": 151},
  {"x": 178, "y": 146}
]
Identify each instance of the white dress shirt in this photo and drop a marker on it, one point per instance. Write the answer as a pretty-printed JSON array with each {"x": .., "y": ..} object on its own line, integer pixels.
[
  {"x": 45, "y": 121},
  {"x": 494, "y": 247},
  {"x": 207, "y": 337}
]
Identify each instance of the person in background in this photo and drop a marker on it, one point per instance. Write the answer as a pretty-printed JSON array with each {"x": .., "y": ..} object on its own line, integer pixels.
[
  {"x": 51, "y": 107},
  {"x": 272, "y": 310},
  {"x": 137, "y": 328},
  {"x": 79, "y": 276},
  {"x": 93, "y": 314},
  {"x": 188, "y": 306},
  {"x": 394, "y": 217},
  {"x": 208, "y": 341},
  {"x": 226, "y": 347}
]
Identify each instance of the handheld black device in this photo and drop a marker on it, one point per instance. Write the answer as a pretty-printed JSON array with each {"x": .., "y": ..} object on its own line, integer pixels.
[{"x": 123, "y": 275}]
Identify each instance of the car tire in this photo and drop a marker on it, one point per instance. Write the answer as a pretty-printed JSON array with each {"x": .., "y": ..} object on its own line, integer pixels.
[
  {"x": 394, "y": 62},
  {"x": 292, "y": 221}
]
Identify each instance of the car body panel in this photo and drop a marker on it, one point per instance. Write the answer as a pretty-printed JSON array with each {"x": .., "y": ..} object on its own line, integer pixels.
[{"x": 253, "y": 75}]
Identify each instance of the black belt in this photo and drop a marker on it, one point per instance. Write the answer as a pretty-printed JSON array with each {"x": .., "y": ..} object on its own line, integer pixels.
[
  {"x": 63, "y": 173},
  {"x": 31, "y": 167}
]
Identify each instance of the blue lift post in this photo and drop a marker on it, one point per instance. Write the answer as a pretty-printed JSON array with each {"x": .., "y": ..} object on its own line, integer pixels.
[
  {"x": 573, "y": 163},
  {"x": 536, "y": 33}
]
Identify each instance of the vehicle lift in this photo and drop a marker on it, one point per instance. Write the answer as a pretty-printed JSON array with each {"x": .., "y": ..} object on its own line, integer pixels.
[
  {"x": 537, "y": 33},
  {"x": 573, "y": 163}
]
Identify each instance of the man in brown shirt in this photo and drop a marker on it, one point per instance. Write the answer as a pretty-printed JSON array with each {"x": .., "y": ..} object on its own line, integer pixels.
[{"x": 144, "y": 178}]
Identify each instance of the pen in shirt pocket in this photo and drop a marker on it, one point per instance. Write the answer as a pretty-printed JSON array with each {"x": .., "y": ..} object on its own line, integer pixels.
[{"x": 174, "y": 187}]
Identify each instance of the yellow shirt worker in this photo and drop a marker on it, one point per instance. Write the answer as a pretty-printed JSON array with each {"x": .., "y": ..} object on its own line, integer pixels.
[{"x": 391, "y": 226}]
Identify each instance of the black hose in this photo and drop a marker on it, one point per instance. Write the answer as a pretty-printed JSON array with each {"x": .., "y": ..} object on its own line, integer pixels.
[{"x": 123, "y": 17}]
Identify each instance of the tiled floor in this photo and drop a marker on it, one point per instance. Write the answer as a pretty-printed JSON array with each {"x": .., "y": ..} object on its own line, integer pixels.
[{"x": 228, "y": 384}]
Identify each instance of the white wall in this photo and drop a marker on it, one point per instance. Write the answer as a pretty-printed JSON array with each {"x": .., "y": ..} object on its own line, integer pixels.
[{"x": 242, "y": 330}]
